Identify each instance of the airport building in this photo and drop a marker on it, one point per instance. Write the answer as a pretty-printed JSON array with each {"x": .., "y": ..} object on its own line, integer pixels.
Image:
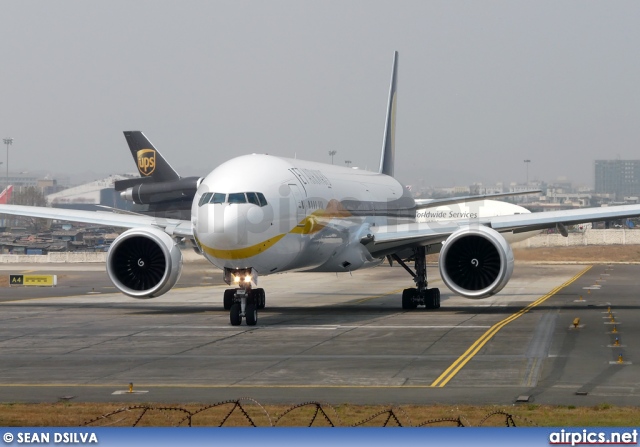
[
  {"x": 90, "y": 195},
  {"x": 18, "y": 181},
  {"x": 620, "y": 178}
]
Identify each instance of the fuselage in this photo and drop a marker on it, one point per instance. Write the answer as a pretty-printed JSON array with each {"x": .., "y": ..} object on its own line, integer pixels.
[
  {"x": 276, "y": 214},
  {"x": 290, "y": 231}
]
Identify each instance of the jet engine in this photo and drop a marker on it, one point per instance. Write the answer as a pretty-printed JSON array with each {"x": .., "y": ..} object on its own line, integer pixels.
[
  {"x": 144, "y": 262},
  {"x": 476, "y": 262},
  {"x": 157, "y": 192}
]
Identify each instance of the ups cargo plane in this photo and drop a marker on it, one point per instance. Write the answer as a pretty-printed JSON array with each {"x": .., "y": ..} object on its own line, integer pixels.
[{"x": 259, "y": 214}]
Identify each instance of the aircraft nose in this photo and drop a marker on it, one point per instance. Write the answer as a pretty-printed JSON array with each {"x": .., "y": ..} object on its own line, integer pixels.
[{"x": 223, "y": 225}]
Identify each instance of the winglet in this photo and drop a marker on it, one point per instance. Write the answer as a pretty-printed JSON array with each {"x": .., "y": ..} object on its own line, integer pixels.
[
  {"x": 148, "y": 160},
  {"x": 388, "y": 142}
]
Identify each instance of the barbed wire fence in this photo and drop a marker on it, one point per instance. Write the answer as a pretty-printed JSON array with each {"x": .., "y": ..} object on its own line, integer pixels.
[{"x": 247, "y": 412}]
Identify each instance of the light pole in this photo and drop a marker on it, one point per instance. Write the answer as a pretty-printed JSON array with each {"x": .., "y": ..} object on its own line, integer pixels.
[
  {"x": 526, "y": 163},
  {"x": 8, "y": 142},
  {"x": 348, "y": 163},
  {"x": 332, "y": 153}
]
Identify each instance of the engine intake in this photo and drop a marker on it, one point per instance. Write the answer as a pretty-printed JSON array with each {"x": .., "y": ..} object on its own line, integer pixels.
[
  {"x": 144, "y": 263},
  {"x": 476, "y": 262}
]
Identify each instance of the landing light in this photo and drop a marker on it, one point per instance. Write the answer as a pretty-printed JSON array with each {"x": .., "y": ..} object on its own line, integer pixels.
[
  {"x": 247, "y": 278},
  {"x": 236, "y": 278}
]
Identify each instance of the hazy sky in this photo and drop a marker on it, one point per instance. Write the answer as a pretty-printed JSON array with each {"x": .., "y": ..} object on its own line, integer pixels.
[{"x": 483, "y": 85}]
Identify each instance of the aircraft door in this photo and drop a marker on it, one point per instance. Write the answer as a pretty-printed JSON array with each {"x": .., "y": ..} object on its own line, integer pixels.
[{"x": 299, "y": 203}]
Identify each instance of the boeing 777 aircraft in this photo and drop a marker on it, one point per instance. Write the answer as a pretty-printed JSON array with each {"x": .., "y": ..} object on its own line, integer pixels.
[{"x": 261, "y": 214}]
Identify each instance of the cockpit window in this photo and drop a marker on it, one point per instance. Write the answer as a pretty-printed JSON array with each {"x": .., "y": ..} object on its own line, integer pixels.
[
  {"x": 237, "y": 197},
  {"x": 218, "y": 197},
  {"x": 205, "y": 198},
  {"x": 253, "y": 198}
]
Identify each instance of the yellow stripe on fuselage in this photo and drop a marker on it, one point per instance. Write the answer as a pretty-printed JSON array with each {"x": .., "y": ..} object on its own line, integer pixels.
[
  {"x": 308, "y": 225},
  {"x": 242, "y": 253}
]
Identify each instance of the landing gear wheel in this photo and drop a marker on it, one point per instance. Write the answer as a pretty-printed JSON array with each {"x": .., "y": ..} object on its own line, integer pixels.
[
  {"x": 261, "y": 299},
  {"x": 234, "y": 314},
  {"x": 228, "y": 298},
  {"x": 251, "y": 314},
  {"x": 407, "y": 299},
  {"x": 436, "y": 293},
  {"x": 432, "y": 299}
]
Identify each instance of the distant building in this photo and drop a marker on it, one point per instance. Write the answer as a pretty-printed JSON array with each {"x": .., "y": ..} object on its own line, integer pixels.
[
  {"x": 618, "y": 177},
  {"x": 90, "y": 195},
  {"x": 18, "y": 181}
]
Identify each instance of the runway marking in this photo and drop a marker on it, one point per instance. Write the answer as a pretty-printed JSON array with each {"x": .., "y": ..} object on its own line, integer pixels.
[
  {"x": 204, "y": 386},
  {"x": 456, "y": 366},
  {"x": 314, "y": 327}
]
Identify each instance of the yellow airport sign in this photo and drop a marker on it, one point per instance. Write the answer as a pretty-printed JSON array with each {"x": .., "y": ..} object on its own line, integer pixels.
[{"x": 33, "y": 280}]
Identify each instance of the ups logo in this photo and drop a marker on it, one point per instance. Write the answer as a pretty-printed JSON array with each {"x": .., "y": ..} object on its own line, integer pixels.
[{"x": 146, "y": 161}]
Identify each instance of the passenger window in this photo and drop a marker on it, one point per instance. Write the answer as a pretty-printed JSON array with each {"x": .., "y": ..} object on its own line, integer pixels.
[
  {"x": 263, "y": 201},
  {"x": 218, "y": 197},
  {"x": 237, "y": 197},
  {"x": 253, "y": 198},
  {"x": 205, "y": 198}
]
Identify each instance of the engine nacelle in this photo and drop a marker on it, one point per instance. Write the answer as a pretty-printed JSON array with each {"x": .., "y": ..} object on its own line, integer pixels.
[
  {"x": 144, "y": 262},
  {"x": 144, "y": 193},
  {"x": 476, "y": 262}
]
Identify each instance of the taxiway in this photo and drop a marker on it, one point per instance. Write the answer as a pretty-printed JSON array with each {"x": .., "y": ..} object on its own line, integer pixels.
[{"x": 325, "y": 337}]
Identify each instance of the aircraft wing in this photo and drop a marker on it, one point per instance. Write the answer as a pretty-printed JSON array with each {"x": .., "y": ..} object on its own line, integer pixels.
[
  {"x": 548, "y": 219},
  {"x": 388, "y": 239},
  {"x": 173, "y": 227},
  {"x": 432, "y": 203}
]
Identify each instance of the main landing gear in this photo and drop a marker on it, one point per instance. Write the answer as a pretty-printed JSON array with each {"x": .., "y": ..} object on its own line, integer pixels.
[
  {"x": 419, "y": 295},
  {"x": 244, "y": 303}
]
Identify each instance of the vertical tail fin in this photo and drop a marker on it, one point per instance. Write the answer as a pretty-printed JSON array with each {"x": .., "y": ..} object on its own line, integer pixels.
[
  {"x": 147, "y": 158},
  {"x": 388, "y": 142},
  {"x": 5, "y": 196}
]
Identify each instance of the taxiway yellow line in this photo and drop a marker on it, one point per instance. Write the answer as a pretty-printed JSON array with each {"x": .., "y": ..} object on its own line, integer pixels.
[{"x": 456, "y": 366}]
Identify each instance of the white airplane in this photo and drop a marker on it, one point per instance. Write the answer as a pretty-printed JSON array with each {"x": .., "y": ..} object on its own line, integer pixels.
[{"x": 260, "y": 214}]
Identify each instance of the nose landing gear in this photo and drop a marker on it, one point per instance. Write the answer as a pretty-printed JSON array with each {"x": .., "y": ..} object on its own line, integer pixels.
[
  {"x": 244, "y": 300},
  {"x": 243, "y": 303}
]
